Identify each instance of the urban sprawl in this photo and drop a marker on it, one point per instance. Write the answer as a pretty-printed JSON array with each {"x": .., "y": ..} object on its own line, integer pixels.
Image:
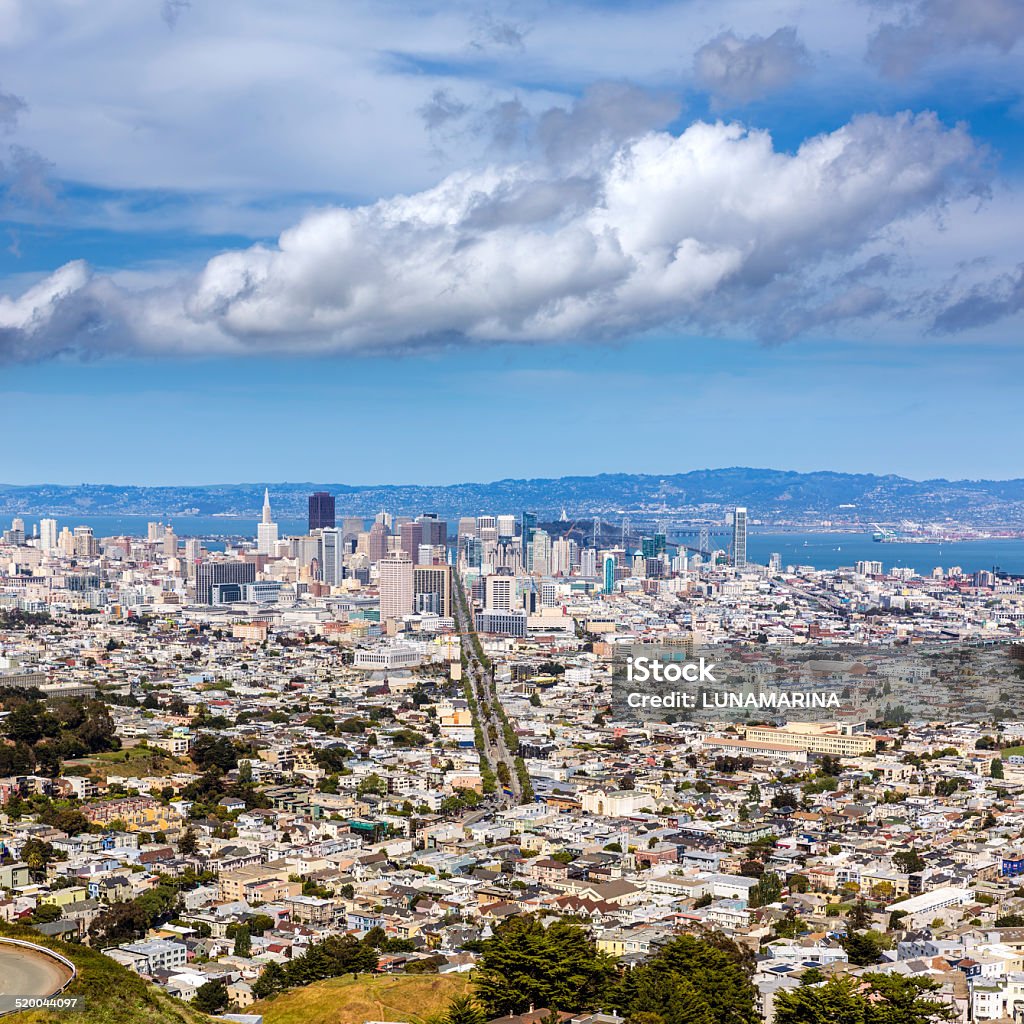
[{"x": 395, "y": 746}]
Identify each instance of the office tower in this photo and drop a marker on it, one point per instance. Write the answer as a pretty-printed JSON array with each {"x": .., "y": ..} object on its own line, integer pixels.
[
  {"x": 501, "y": 593},
  {"x": 467, "y": 527},
  {"x": 378, "y": 542},
  {"x": 609, "y": 573},
  {"x": 395, "y": 581},
  {"x": 66, "y": 543},
  {"x": 434, "y": 530},
  {"x": 351, "y": 527},
  {"x": 739, "y": 538},
  {"x": 170, "y": 543},
  {"x": 331, "y": 556},
  {"x": 215, "y": 574},
  {"x": 266, "y": 532},
  {"x": 548, "y": 593},
  {"x": 588, "y": 562},
  {"x": 529, "y": 525},
  {"x": 410, "y": 538},
  {"x": 85, "y": 545},
  {"x": 485, "y": 523},
  {"x": 506, "y": 526},
  {"x": 432, "y": 588},
  {"x": 473, "y": 551},
  {"x": 539, "y": 549},
  {"x": 321, "y": 511},
  {"x": 425, "y": 555},
  {"x": 775, "y": 562},
  {"x": 48, "y": 535},
  {"x": 155, "y": 533}
]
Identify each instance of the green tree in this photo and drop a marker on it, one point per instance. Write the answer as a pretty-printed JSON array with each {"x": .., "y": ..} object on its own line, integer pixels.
[
  {"x": 667, "y": 996},
  {"x": 464, "y": 1010},
  {"x": 211, "y": 997},
  {"x": 997, "y": 769},
  {"x": 188, "y": 844},
  {"x": 909, "y": 861},
  {"x": 243, "y": 942},
  {"x": 526, "y": 964},
  {"x": 716, "y": 970},
  {"x": 863, "y": 948},
  {"x": 870, "y": 999}
]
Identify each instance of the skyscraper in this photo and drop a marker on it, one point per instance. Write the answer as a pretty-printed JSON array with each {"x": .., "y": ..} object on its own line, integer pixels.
[
  {"x": 432, "y": 588},
  {"x": 266, "y": 532},
  {"x": 609, "y": 574},
  {"x": 321, "y": 511},
  {"x": 739, "y": 538},
  {"x": 331, "y": 555},
  {"x": 378, "y": 541},
  {"x": 48, "y": 535},
  {"x": 396, "y": 586}
]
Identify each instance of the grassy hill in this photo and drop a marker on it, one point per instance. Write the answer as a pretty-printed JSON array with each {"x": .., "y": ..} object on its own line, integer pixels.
[
  {"x": 348, "y": 1000},
  {"x": 113, "y": 994}
]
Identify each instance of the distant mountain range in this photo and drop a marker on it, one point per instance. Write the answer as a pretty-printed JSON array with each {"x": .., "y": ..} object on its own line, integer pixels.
[{"x": 771, "y": 495}]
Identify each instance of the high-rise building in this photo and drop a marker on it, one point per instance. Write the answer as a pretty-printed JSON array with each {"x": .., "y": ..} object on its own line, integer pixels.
[
  {"x": 501, "y": 593},
  {"x": 739, "y": 538},
  {"x": 48, "y": 535},
  {"x": 432, "y": 589},
  {"x": 434, "y": 530},
  {"x": 395, "y": 580},
  {"x": 378, "y": 542},
  {"x": 529, "y": 521},
  {"x": 588, "y": 562},
  {"x": 506, "y": 526},
  {"x": 85, "y": 545},
  {"x": 609, "y": 574},
  {"x": 215, "y": 574},
  {"x": 411, "y": 537},
  {"x": 321, "y": 511},
  {"x": 266, "y": 532},
  {"x": 331, "y": 556}
]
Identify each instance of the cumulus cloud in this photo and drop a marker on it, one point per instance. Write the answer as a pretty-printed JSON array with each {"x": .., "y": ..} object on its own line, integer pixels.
[
  {"x": 738, "y": 70},
  {"x": 711, "y": 229},
  {"x": 931, "y": 27}
]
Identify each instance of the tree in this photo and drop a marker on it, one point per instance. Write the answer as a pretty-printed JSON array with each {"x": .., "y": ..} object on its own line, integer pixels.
[
  {"x": 870, "y": 999},
  {"x": 863, "y": 948},
  {"x": 767, "y": 890},
  {"x": 716, "y": 972},
  {"x": 243, "y": 942},
  {"x": 909, "y": 861},
  {"x": 270, "y": 982},
  {"x": 667, "y": 997},
  {"x": 188, "y": 844},
  {"x": 464, "y": 1010},
  {"x": 211, "y": 997},
  {"x": 526, "y": 964},
  {"x": 996, "y": 770}
]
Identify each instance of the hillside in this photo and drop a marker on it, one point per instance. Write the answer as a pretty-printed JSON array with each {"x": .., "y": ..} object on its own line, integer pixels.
[
  {"x": 774, "y": 494},
  {"x": 348, "y": 1000},
  {"x": 113, "y": 994}
]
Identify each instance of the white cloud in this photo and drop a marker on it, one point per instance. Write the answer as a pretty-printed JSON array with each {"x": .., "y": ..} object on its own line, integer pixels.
[
  {"x": 711, "y": 229},
  {"x": 737, "y": 70},
  {"x": 928, "y": 28}
]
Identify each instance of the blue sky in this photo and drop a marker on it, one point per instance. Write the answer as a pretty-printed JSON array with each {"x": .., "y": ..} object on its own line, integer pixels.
[{"x": 246, "y": 240}]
